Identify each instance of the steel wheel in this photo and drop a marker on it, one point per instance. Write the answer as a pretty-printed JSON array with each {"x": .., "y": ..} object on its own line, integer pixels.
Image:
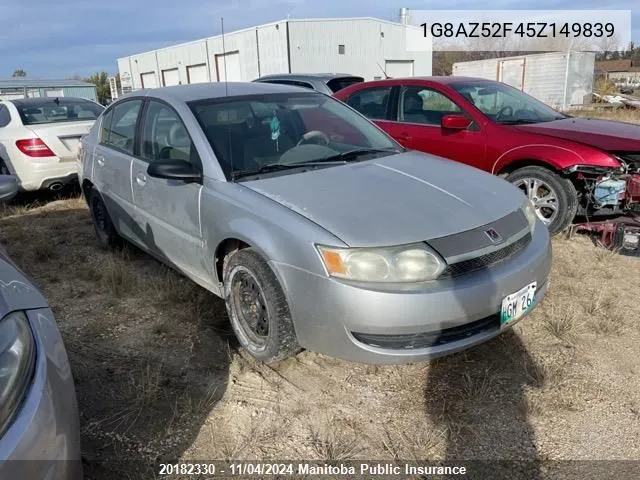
[
  {"x": 257, "y": 307},
  {"x": 250, "y": 306},
  {"x": 543, "y": 196}
]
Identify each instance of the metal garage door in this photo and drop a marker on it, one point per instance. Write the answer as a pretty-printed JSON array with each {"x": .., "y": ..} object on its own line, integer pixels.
[
  {"x": 511, "y": 72},
  {"x": 399, "y": 68},
  {"x": 148, "y": 80},
  {"x": 54, "y": 93},
  {"x": 170, "y": 77},
  {"x": 231, "y": 71},
  {"x": 197, "y": 73}
]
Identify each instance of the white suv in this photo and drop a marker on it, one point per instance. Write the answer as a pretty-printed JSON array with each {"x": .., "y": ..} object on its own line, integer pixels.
[{"x": 39, "y": 139}]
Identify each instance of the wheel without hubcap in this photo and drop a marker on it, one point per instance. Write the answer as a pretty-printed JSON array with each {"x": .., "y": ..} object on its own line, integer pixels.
[
  {"x": 250, "y": 306},
  {"x": 257, "y": 307}
]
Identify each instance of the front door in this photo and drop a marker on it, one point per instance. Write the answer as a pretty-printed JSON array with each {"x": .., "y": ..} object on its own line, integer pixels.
[
  {"x": 418, "y": 126},
  {"x": 168, "y": 212}
]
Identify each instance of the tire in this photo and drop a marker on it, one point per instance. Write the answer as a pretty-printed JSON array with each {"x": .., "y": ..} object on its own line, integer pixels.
[
  {"x": 258, "y": 308},
  {"x": 560, "y": 188},
  {"x": 106, "y": 233}
]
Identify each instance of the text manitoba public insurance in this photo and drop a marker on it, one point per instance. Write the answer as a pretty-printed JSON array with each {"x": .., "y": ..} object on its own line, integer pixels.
[{"x": 379, "y": 469}]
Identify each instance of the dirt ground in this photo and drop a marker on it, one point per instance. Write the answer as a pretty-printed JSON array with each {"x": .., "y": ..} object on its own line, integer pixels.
[{"x": 159, "y": 376}]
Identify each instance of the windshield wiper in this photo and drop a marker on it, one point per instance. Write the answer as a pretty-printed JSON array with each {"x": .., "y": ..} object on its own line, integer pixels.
[
  {"x": 351, "y": 155},
  {"x": 520, "y": 121},
  {"x": 274, "y": 167},
  {"x": 339, "y": 159}
]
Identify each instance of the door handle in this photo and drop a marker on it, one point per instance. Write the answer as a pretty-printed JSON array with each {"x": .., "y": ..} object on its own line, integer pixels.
[
  {"x": 141, "y": 179},
  {"x": 100, "y": 160},
  {"x": 403, "y": 137}
]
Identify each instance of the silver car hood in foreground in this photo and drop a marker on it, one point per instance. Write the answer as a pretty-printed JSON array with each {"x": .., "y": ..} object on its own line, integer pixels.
[
  {"x": 16, "y": 291},
  {"x": 393, "y": 200}
]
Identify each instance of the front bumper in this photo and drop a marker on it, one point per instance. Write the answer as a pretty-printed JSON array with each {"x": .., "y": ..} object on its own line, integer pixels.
[
  {"x": 43, "y": 443},
  {"x": 327, "y": 312}
]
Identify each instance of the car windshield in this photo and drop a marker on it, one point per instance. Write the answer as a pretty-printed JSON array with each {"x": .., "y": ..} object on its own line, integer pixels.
[
  {"x": 280, "y": 132},
  {"x": 505, "y": 104},
  {"x": 54, "y": 110}
]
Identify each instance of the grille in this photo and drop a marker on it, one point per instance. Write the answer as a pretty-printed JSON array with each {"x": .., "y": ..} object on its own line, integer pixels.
[
  {"x": 430, "y": 339},
  {"x": 485, "y": 261}
]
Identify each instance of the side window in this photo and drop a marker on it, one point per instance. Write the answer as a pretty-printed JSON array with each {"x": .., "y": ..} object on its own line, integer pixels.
[
  {"x": 120, "y": 131},
  {"x": 425, "y": 106},
  {"x": 165, "y": 137},
  {"x": 105, "y": 126},
  {"x": 371, "y": 102},
  {"x": 5, "y": 116}
]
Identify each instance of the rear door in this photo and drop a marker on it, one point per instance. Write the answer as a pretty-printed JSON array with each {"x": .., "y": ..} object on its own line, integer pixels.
[
  {"x": 168, "y": 210},
  {"x": 112, "y": 159},
  {"x": 376, "y": 103}
]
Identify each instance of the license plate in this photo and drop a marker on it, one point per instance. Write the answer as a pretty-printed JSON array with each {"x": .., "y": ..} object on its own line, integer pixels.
[{"x": 517, "y": 304}]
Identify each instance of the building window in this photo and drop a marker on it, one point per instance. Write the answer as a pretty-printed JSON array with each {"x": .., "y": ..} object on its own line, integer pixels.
[{"x": 341, "y": 49}]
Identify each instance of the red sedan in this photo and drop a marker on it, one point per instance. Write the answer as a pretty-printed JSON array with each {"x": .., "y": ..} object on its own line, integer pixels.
[{"x": 566, "y": 166}]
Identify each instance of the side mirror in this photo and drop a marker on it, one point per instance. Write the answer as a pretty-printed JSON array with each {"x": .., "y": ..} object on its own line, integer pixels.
[
  {"x": 174, "y": 170},
  {"x": 455, "y": 122},
  {"x": 8, "y": 187}
]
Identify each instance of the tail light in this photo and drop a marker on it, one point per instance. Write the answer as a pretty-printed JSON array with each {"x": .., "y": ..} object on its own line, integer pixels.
[{"x": 34, "y": 147}]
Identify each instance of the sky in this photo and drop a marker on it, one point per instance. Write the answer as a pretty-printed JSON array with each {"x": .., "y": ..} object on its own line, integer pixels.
[{"x": 63, "y": 38}]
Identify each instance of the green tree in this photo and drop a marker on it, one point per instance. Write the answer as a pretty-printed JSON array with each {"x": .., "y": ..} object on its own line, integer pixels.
[
  {"x": 19, "y": 73},
  {"x": 101, "y": 81}
]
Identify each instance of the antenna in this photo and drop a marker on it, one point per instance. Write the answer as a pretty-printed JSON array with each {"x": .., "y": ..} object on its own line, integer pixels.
[
  {"x": 383, "y": 71},
  {"x": 224, "y": 59}
]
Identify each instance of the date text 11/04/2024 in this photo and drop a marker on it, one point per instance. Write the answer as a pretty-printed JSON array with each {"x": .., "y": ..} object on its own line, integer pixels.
[
  {"x": 283, "y": 469},
  {"x": 522, "y": 30}
]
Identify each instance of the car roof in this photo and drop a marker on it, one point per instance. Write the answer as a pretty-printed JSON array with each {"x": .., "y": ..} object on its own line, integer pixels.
[
  {"x": 40, "y": 100},
  {"x": 437, "y": 79},
  {"x": 204, "y": 91},
  {"x": 312, "y": 76}
]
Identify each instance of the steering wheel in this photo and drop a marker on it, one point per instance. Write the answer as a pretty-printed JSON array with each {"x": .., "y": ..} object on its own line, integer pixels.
[
  {"x": 503, "y": 112},
  {"x": 315, "y": 137}
]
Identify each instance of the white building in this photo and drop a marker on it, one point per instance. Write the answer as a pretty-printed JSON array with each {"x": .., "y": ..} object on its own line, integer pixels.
[
  {"x": 359, "y": 46},
  {"x": 559, "y": 79}
]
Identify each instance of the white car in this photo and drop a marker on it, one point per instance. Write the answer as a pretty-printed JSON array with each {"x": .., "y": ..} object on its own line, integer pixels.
[{"x": 39, "y": 139}]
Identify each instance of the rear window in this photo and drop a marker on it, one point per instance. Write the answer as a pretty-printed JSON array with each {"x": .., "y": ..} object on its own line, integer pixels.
[
  {"x": 50, "y": 110},
  {"x": 337, "y": 84}
]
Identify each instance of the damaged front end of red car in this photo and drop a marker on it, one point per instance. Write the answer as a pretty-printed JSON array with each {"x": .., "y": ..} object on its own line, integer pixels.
[{"x": 615, "y": 194}]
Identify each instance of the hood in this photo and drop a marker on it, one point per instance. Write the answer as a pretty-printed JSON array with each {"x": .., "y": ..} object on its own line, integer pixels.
[
  {"x": 404, "y": 198},
  {"x": 16, "y": 291},
  {"x": 603, "y": 134}
]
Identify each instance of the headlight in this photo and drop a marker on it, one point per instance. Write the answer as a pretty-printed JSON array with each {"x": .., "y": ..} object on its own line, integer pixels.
[
  {"x": 529, "y": 211},
  {"x": 402, "y": 264},
  {"x": 17, "y": 362}
]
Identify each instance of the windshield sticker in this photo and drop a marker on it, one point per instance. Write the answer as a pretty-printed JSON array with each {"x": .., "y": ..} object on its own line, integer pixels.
[{"x": 275, "y": 128}]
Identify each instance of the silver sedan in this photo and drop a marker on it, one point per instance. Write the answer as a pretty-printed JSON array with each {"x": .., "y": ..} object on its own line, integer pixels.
[
  {"x": 318, "y": 229},
  {"x": 39, "y": 423}
]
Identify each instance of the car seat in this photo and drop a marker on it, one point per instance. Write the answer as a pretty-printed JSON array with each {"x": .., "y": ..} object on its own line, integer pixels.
[{"x": 412, "y": 110}]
